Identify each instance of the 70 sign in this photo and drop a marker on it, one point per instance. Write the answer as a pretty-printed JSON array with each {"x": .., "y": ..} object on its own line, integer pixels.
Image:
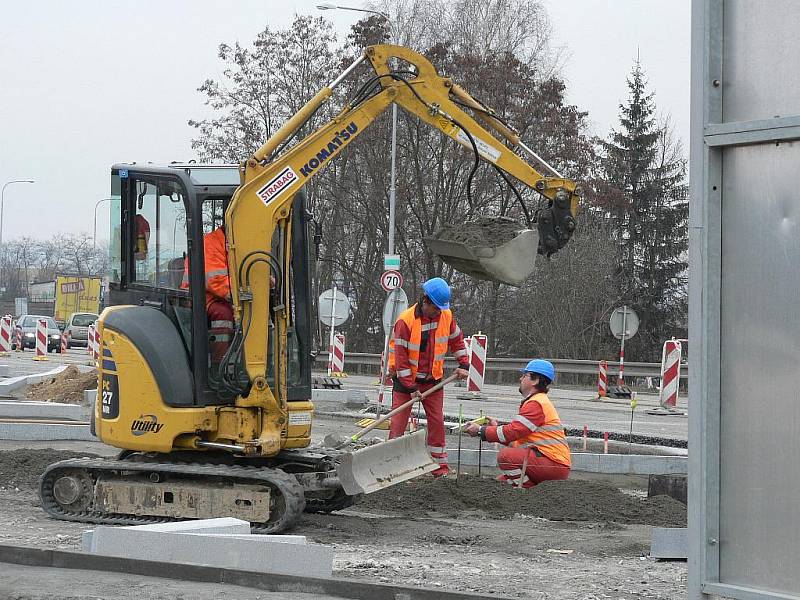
[{"x": 391, "y": 280}]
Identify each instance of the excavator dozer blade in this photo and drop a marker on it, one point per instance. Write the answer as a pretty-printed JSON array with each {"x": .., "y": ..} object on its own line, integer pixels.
[
  {"x": 510, "y": 263},
  {"x": 385, "y": 464}
]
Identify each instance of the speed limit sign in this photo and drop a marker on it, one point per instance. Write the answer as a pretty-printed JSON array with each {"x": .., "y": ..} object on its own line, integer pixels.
[{"x": 391, "y": 280}]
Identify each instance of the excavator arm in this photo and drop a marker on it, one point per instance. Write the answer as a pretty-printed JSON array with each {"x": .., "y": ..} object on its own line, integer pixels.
[{"x": 258, "y": 218}]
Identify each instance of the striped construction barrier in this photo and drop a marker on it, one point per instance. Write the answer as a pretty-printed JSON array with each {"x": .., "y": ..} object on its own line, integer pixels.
[
  {"x": 477, "y": 367},
  {"x": 64, "y": 342},
  {"x": 6, "y": 335},
  {"x": 93, "y": 342},
  {"x": 20, "y": 348},
  {"x": 336, "y": 357},
  {"x": 41, "y": 340},
  {"x": 602, "y": 379},
  {"x": 670, "y": 373}
]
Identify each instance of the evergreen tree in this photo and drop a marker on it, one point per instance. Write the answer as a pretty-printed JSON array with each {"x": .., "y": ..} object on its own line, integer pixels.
[{"x": 644, "y": 193}]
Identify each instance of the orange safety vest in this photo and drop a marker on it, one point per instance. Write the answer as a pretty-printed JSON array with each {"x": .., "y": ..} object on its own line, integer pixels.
[
  {"x": 441, "y": 343},
  {"x": 218, "y": 284},
  {"x": 549, "y": 438}
]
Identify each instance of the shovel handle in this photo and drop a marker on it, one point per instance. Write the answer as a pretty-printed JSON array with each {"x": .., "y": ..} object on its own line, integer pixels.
[{"x": 394, "y": 411}]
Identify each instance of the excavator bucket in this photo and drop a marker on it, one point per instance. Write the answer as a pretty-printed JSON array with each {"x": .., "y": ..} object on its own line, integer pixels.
[
  {"x": 385, "y": 464},
  {"x": 491, "y": 249}
]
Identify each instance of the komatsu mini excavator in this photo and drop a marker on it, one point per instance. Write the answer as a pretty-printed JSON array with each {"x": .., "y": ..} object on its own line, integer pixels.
[{"x": 203, "y": 439}]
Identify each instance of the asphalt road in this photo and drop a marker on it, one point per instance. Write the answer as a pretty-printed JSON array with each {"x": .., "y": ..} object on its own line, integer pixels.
[{"x": 577, "y": 407}]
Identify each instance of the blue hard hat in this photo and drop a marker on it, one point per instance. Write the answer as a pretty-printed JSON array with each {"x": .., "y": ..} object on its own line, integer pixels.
[
  {"x": 541, "y": 367},
  {"x": 438, "y": 292}
]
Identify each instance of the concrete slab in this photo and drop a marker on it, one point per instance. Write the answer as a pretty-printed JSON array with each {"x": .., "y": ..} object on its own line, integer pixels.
[
  {"x": 669, "y": 543},
  {"x": 628, "y": 464},
  {"x": 221, "y": 525},
  {"x": 339, "y": 396},
  {"x": 89, "y": 397},
  {"x": 46, "y": 431},
  {"x": 4, "y": 370},
  {"x": 33, "y": 409},
  {"x": 175, "y": 542}
]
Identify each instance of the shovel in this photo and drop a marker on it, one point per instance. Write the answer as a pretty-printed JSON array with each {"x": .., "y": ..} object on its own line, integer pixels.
[{"x": 387, "y": 463}]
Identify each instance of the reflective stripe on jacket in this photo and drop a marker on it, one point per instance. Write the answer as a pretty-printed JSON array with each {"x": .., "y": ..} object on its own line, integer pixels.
[
  {"x": 408, "y": 365},
  {"x": 548, "y": 437}
]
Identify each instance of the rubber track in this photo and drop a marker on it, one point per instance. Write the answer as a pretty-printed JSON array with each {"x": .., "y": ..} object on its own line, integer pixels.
[{"x": 287, "y": 484}]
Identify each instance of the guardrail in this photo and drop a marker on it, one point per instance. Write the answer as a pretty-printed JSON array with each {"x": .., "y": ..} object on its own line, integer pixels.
[{"x": 498, "y": 368}]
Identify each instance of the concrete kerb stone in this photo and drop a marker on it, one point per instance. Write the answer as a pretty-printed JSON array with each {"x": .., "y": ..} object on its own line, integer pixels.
[
  {"x": 45, "y": 432},
  {"x": 14, "y": 383},
  {"x": 4, "y": 370},
  {"x": 618, "y": 464},
  {"x": 224, "y": 543},
  {"x": 339, "y": 397},
  {"x": 669, "y": 543},
  {"x": 35, "y": 409}
]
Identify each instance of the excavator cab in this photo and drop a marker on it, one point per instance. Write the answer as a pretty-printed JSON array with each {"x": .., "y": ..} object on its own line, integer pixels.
[{"x": 159, "y": 217}]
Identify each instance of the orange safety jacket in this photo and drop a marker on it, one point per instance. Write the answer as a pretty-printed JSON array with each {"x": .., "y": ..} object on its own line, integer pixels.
[
  {"x": 547, "y": 437},
  {"x": 446, "y": 333},
  {"x": 218, "y": 283}
]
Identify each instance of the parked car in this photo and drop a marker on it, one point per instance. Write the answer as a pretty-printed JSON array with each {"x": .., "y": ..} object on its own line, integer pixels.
[
  {"x": 27, "y": 323},
  {"x": 77, "y": 328}
]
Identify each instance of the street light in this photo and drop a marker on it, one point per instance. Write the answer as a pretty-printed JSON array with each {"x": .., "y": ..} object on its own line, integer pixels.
[
  {"x": 392, "y": 186},
  {"x": 3, "y": 199},
  {"x": 94, "y": 234}
]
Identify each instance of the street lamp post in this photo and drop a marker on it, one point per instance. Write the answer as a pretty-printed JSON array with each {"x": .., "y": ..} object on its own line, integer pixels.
[
  {"x": 3, "y": 199},
  {"x": 392, "y": 186},
  {"x": 94, "y": 234}
]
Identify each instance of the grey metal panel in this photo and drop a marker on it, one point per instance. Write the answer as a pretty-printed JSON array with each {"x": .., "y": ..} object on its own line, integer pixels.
[
  {"x": 759, "y": 358},
  {"x": 761, "y": 72}
]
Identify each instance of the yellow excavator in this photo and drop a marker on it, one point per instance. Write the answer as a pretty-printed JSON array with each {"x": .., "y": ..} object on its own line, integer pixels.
[{"x": 201, "y": 439}]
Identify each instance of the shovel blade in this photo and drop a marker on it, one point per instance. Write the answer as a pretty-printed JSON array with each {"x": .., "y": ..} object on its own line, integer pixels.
[{"x": 380, "y": 466}]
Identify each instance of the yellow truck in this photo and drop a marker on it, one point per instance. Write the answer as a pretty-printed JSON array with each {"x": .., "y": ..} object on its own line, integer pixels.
[{"x": 76, "y": 295}]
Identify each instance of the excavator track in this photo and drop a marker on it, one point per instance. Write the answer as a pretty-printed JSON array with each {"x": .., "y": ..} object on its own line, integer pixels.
[{"x": 77, "y": 479}]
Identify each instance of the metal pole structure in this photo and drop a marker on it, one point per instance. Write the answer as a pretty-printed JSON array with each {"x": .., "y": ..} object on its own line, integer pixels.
[
  {"x": 392, "y": 186},
  {"x": 3, "y": 199},
  {"x": 621, "y": 377},
  {"x": 94, "y": 231},
  {"x": 330, "y": 339}
]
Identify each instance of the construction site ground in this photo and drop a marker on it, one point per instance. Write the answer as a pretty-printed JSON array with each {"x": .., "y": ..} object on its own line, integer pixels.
[{"x": 587, "y": 538}]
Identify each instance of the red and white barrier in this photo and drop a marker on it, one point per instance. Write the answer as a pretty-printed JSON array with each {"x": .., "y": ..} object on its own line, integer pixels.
[
  {"x": 477, "y": 363},
  {"x": 670, "y": 373},
  {"x": 585, "y": 438},
  {"x": 93, "y": 342},
  {"x": 605, "y": 442},
  {"x": 602, "y": 379},
  {"x": 336, "y": 357},
  {"x": 20, "y": 348},
  {"x": 64, "y": 342},
  {"x": 476, "y": 353},
  {"x": 6, "y": 334},
  {"x": 41, "y": 340}
]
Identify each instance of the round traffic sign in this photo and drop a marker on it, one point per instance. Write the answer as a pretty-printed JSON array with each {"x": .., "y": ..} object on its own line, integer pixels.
[
  {"x": 391, "y": 280},
  {"x": 396, "y": 302},
  {"x": 333, "y": 309},
  {"x": 626, "y": 315}
]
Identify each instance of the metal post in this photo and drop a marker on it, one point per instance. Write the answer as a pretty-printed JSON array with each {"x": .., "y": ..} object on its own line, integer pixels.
[
  {"x": 330, "y": 340},
  {"x": 621, "y": 378},
  {"x": 392, "y": 188},
  {"x": 3, "y": 199}
]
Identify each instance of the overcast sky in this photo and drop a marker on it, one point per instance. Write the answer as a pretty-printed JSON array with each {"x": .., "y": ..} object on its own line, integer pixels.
[{"x": 85, "y": 84}]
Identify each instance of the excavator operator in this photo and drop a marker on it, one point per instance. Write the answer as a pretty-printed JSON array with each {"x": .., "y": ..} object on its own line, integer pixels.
[
  {"x": 218, "y": 293},
  {"x": 422, "y": 337}
]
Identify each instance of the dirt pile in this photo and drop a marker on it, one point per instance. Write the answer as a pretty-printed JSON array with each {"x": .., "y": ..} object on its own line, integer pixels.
[
  {"x": 22, "y": 468},
  {"x": 570, "y": 500},
  {"x": 67, "y": 387},
  {"x": 485, "y": 231}
]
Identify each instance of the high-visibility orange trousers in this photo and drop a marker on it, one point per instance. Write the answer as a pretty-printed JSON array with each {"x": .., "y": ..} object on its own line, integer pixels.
[
  {"x": 433, "y": 405},
  {"x": 539, "y": 468}
]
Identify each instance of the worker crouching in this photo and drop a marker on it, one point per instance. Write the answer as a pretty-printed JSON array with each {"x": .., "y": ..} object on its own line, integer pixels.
[{"x": 537, "y": 446}]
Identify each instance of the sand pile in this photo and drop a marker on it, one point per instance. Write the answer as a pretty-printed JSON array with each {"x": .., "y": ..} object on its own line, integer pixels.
[
  {"x": 485, "y": 231},
  {"x": 570, "y": 500},
  {"x": 22, "y": 468},
  {"x": 67, "y": 387}
]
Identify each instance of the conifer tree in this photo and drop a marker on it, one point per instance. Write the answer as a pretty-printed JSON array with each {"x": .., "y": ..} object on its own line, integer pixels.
[{"x": 644, "y": 192}]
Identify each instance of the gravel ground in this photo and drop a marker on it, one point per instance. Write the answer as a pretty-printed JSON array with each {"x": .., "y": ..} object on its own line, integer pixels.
[{"x": 414, "y": 536}]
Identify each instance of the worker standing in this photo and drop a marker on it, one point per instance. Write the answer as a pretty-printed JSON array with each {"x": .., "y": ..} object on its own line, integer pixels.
[
  {"x": 422, "y": 337},
  {"x": 538, "y": 449}
]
